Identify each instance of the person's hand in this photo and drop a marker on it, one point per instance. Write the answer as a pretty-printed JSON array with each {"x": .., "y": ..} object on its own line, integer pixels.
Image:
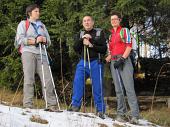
[
  {"x": 119, "y": 63},
  {"x": 39, "y": 39},
  {"x": 87, "y": 36},
  {"x": 44, "y": 40},
  {"x": 86, "y": 42},
  {"x": 108, "y": 58}
]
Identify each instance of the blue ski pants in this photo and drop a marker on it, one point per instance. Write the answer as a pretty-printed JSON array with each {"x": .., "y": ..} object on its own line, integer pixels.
[{"x": 81, "y": 74}]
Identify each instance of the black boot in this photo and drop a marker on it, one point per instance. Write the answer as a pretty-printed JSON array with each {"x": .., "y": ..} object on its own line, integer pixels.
[
  {"x": 101, "y": 115},
  {"x": 74, "y": 109}
]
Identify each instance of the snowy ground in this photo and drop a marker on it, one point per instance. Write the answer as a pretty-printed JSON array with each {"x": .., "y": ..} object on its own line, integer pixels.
[{"x": 18, "y": 117}]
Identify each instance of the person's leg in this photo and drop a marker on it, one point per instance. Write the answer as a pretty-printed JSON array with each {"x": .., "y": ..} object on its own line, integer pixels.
[
  {"x": 50, "y": 96},
  {"x": 28, "y": 62},
  {"x": 127, "y": 77},
  {"x": 121, "y": 107},
  {"x": 78, "y": 84},
  {"x": 132, "y": 57},
  {"x": 97, "y": 84}
]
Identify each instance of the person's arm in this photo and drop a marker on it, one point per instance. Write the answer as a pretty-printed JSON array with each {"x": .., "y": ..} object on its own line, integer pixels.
[
  {"x": 21, "y": 38},
  {"x": 99, "y": 43},
  {"x": 21, "y": 34},
  {"x": 128, "y": 43},
  {"x": 127, "y": 52}
]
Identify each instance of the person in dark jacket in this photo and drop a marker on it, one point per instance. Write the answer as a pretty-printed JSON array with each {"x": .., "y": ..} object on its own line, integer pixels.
[{"x": 90, "y": 43}]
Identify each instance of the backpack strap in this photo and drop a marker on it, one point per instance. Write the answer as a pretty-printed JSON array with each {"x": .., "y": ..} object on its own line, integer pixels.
[
  {"x": 27, "y": 24},
  {"x": 98, "y": 31},
  {"x": 125, "y": 35},
  {"x": 122, "y": 34},
  {"x": 82, "y": 33}
]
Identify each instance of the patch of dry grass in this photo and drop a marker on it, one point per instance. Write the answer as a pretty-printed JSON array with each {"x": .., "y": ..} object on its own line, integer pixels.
[
  {"x": 117, "y": 125},
  {"x": 102, "y": 125},
  {"x": 160, "y": 116},
  {"x": 7, "y": 97}
]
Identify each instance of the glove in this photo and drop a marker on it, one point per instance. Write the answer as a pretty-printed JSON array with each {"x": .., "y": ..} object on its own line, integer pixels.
[{"x": 119, "y": 63}]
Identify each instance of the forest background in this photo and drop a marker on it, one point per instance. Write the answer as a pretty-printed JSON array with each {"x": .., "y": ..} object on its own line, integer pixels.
[{"x": 63, "y": 18}]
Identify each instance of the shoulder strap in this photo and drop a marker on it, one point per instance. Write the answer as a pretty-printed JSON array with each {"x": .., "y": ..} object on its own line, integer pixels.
[
  {"x": 82, "y": 33},
  {"x": 122, "y": 35},
  {"x": 27, "y": 24},
  {"x": 98, "y": 31},
  {"x": 125, "y": 35}
]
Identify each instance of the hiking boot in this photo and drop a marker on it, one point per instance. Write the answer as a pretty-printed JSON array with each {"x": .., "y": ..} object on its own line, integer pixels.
[
  {"x": 28, "y": 110},
  {"x": 121, "y": 118},
  {"x": 134, "y": 120},
  {"x": 74, "y": 109},
  {"x": 101, "y": 115}
]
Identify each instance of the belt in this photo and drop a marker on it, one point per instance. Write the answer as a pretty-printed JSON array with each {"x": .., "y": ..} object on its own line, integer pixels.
[{"x": 115, "y": 57}]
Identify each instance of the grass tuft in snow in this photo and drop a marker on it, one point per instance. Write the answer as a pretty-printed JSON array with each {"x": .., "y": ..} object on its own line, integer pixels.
[
  {"x": 117, "y": 125},
  {"x": 102, "y": 125},
  {"x": 38, "y": 119}
]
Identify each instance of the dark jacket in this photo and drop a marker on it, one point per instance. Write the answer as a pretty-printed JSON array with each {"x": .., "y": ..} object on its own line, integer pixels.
[{"x": 99, "y": 44}]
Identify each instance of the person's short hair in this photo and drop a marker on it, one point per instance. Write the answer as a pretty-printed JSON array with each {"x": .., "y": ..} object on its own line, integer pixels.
[
  {"x": 116, "y": 13},
  {"x": 88, "y": 16},
  {"x": 30, "y": 8}
]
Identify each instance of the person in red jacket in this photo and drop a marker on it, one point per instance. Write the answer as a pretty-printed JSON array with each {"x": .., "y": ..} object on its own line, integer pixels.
[{"x": 120, "y": 46}]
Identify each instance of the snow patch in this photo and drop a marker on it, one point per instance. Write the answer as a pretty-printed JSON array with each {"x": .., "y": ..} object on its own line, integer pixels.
[{"x": 18, "y": 117}]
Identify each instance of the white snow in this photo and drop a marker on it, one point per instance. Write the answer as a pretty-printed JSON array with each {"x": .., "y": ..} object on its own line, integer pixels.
[{"x": 18, "y": 117}]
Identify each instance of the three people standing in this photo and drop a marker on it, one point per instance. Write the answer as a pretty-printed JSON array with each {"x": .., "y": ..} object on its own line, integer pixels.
[{"x": 91, "y": 45}]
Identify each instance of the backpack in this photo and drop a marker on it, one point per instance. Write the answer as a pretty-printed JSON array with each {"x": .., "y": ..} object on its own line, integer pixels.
[
  {"x": 134, "y": 42},
  {"x": 132, "y": 38},
  {"x": 19, "y": 47},
  {"x": 122, "y": 34}
]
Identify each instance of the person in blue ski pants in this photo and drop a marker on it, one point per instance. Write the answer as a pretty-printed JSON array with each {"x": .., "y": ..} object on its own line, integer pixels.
[{"x": 95, "y": 45}]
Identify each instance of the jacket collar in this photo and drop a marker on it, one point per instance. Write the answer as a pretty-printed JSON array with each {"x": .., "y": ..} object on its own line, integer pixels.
[{"x": 118, "y": 29}]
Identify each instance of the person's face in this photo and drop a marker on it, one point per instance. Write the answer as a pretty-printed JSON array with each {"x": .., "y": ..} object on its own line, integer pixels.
[
  {"x": 88, "y": 23},
  {"x": 115, "y": 21},
  {"x": 35, "y": 14}
]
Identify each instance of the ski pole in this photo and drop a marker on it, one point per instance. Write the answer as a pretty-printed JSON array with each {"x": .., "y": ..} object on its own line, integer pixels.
[
  {"x": 52, "y": 77},
  {"x": 44, "y": 85},
  {"x": 84, "y": 97},
  {"x": 101, "y": 82},
  {"x": 88, "y": 57}
]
